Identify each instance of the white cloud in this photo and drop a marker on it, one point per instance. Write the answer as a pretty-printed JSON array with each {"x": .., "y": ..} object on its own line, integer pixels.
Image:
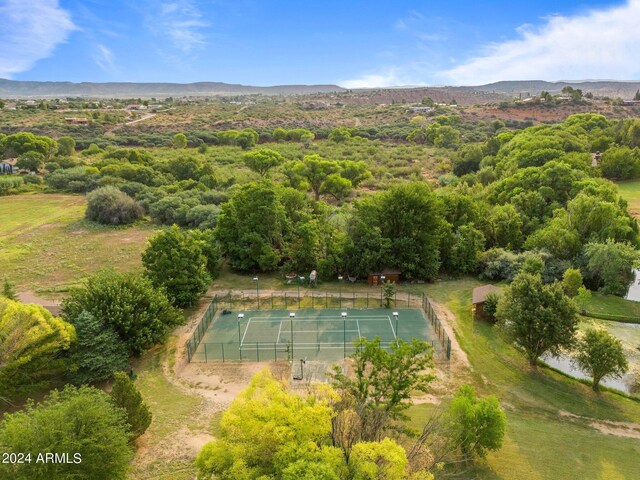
[
  {"x": 389, "y": 78},
  {"x": 30, "y": 31},
  {"x": 599, "y": 44},
  {"x": 182, "y": 21},
  {"x": 104, "y": 58}
]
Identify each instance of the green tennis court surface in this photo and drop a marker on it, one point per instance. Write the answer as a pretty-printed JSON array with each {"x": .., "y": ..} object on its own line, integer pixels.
[{"x": 314, "y": 334}]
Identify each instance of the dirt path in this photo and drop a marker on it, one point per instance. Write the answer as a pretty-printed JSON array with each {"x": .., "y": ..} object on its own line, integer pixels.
[{"x": 608, "y": 427}]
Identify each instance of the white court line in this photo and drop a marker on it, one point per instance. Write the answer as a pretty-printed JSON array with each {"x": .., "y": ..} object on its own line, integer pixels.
[
  {"x": 315, "y": 319},
  {"x": 393, "y": 330},
  {"x": 358, "y": 323},
  {"x": 245, "y": 332},
  {"x": 321, "y": 331},
  {"x": 279, "y": 330}
]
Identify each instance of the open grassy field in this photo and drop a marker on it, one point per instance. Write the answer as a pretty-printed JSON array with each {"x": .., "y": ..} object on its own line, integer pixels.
[
  {"x": 555, "y": 425},
  {"x": 46, "y": 245},
  {"x": 630, "y": 191}
]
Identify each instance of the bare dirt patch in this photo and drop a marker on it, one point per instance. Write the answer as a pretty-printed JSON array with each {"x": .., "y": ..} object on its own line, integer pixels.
[{"x": 609, "y": 427}]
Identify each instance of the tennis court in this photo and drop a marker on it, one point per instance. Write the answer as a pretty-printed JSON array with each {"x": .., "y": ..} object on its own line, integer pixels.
[{"x": 314, "y": 334}]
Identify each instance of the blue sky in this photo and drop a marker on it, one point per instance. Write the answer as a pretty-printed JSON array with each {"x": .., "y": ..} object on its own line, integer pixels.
[{"x": 350, "y": 43}]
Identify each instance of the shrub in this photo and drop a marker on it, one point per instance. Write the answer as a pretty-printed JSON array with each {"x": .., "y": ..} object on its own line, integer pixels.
[
  {"x": 128, "y": 303},
  {"x": 98, "y": 352},
  {"x": 9, "y": 183},
  {"x": 125, "y": 395},
  {"x": 110, "y": 206},
  {"x": 78, "y": 421}
]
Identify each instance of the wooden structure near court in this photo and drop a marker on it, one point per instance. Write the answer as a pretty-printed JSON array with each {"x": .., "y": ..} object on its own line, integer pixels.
[
  {"x": 479, "y": 296},
  {"x": 386, "y": 275}
]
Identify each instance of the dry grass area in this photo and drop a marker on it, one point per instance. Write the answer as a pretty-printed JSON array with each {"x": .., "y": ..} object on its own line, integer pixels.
[{"x": 46, "y": 245}]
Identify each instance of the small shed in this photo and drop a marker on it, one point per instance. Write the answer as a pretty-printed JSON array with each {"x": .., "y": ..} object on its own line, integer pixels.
[
  {"x": 479, "y": 296},
  {"x": 386, "y": 275}
]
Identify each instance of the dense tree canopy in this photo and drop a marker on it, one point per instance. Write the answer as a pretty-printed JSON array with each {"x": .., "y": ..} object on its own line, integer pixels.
[
  {"x": 174, "y": 261},
  {"x": 139, "y": 314},
  {"x": 79, "y": 421}
]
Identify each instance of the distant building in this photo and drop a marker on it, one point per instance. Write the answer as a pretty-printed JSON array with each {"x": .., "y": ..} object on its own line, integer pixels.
[
  {"x": 386, "y": 275},
  {"x": 422, "y": 109},
  {"x": 135, "y": 107},
  {"x": 479, "y": 296},
  {"x": 6, "y": 168},
  {"x": 631, "y": 102},
  {"x": 77, "y": 120}
]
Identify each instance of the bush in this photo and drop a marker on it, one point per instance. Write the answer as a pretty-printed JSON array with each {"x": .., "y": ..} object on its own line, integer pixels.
[
  {"x": 110, "y": 206},
  {"x": 125, "y": 395},
  {"x": 8, "y": 183},
  {"x": 128, "y": 303},
  {"x": 78, "y": 421},
  {"x": 98, "y": 352}
]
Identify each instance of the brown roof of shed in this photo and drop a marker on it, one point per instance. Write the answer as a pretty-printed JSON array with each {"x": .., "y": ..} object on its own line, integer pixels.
[{"x": 480, "y": 293}]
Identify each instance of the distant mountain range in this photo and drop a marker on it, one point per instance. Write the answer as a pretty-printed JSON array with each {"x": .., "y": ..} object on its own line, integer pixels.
[
  {"x": 609, "y": 88},
  {"x": 15, "y": 88},
  {"x": 24, "y": 89}
]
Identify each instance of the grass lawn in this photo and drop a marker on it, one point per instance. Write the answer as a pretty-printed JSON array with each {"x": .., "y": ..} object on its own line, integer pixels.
[
  {"x": 46, "y": 245},
  {"x": 540, "y": 443},
  {"x": 174, "y": 415},
  {"x": 612, "y": 305},
  {"x": 630, "y": 191}
]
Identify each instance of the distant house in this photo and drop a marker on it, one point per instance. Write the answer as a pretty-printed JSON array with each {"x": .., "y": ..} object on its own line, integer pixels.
[
  {"x": 77, "y": 120},
  {"x": 422, "y": 109},
  {"x": 631, "y": 102},
  {"x": 7, "y": 167},
  {"x": 135, "y": 107},
  {"x": 386, "y": 275},
  {"x": 479, "y": 296}
]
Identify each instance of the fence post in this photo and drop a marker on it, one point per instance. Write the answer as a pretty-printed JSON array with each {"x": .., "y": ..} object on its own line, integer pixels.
[
  {"x": 312, "y": 303},
  {"x": 271, "y": 300},
  {"x": 257, "y": 352},
  {"x": 285, "y": 300},
  {"x": 354, "y": 299},
  {"x": 367, "y": 299},
  {"x": 222, "y": 344},
  {"x": 275, "y": 352},
  {"x": 395, "y": 298},
  {"x": 326, "y": 299},
  {"x": 205, "y": 353}
]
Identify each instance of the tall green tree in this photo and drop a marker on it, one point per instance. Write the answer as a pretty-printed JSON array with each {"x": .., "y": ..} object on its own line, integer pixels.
[
  {"x": 128, "y": 303},
  {"x": 251, "y": 227},
  {"x": 315, "y": 170},
  {"x": 382, "y": 383},
  {"x": 539, "y": 318},
  {"x": 268, "y": 431},
  {"x": 410, "y": 220},
  {"x": 98, "y": 352},
  {"x": 600, "y": 355},
  {"x": 81, "y": 422},
  {"x": 66, "y": 146},
  {"x": 263, "y": 160},
  {"x": 31, "y": 342},
  {"x": 32, "y": 161},
  {"x": 125, "y": 395},
  {"x": 174, "y": 261},
  {"x": 179, "y": 140}
]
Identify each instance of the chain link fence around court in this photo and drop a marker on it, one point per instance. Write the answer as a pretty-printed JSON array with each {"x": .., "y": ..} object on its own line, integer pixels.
[
  {"x": 305, "y": 298},
  {"x": 251, "y": 347}
]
